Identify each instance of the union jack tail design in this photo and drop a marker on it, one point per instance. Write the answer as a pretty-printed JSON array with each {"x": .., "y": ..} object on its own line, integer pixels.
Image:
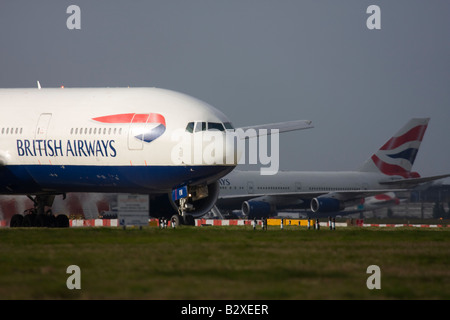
[{"x": 396, "y": 157}]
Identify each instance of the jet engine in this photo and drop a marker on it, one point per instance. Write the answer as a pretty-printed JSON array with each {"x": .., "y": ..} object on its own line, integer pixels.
[
  {"x": 257, "y": 209},
  {"x": 323, "y": 204}
]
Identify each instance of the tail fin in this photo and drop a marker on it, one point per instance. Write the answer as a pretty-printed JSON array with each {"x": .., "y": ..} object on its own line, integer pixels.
[{"x": 396, "y": 157}]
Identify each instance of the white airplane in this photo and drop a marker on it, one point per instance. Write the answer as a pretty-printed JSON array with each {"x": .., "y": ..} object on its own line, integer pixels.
[
  {"x": 389, "y": 169},
  {"x": 118, "y": 140}
]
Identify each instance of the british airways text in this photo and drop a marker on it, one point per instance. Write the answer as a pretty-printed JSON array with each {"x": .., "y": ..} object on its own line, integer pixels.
[{"x": 69, "y": 148}]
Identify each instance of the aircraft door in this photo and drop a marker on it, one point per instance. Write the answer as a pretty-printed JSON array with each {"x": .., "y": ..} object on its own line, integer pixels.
[
  {"x": 42, "y": 126},
  {"x": 250, "y": 188}
]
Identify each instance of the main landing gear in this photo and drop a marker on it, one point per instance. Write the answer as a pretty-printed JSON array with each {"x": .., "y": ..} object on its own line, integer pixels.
[{"x": 38, "y": 216}]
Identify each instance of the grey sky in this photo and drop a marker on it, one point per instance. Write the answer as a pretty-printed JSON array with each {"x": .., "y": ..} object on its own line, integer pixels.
[{"x": 257, "y": 61}]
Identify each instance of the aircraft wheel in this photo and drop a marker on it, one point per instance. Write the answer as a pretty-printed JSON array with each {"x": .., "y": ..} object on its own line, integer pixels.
[
  {"x": 29, "y": 220},
  {"x": 51, "y": 220},
  {"x": 44, "y": 221},
  {"x": 41, "y": 220},
  {"x": 16, "y": 221},
  {"x": 62, "y": 221},
  {"x": 177, "y": 219}
]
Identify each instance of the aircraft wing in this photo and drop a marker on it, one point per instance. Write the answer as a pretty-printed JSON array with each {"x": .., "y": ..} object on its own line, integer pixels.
[
  {"x": 295, "y": 199},
  {"x": 280, "y": 126},
  {"x": 341, "y": 195},
  {"x": 244, "y": 197},
  {"x": 409, "y": 183},
  {"x": 358, "y": 194},
  {"x": 344, "y": 195}
]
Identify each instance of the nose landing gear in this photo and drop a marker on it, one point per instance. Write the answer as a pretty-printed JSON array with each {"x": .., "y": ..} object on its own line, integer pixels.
[{"x": 182, "y": 217}]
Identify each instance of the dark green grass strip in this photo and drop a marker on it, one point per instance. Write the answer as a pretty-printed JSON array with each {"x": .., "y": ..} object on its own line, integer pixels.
[{"x": 225, "y": 263}]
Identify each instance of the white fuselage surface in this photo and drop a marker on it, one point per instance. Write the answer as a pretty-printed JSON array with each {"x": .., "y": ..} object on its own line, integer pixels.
[{"x": 100, "y": 140}]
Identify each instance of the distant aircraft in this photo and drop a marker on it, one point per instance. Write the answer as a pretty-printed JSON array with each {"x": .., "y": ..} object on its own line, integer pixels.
[
  {"x": 373, "y": 203},
  {"x": 112, "y": 140},
  {"x": 389, "y": 169},
  {"x": 379, "y": 201}
]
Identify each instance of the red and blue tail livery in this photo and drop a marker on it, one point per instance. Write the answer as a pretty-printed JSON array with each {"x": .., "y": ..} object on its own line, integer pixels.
[{"x": 396, "y": 157}]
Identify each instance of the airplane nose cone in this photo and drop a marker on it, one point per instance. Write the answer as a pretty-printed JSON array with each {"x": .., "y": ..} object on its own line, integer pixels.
[
  {"x": 232, "y": 153},
  {"x": 219, "y": 148},
  {"x": 206, "y": 148}
]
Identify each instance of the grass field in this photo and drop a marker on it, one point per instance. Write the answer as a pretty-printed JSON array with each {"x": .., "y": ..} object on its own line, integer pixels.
[{"x": 225, "y": 263}]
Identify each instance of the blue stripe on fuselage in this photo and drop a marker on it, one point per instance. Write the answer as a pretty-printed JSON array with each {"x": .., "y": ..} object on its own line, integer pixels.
[{"x": 33, "y": 179}]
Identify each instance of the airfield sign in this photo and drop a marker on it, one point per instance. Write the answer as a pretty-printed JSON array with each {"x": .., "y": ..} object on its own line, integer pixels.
[{"x": 133, "y": 209}]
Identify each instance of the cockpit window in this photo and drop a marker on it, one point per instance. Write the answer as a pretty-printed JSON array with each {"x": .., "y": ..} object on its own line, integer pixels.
[
  {"x": 200, "y": 126},
  {"x": 215, "y": 126},
  {"x": 228, "y": 126},
  {"x": 190, "y": 127}
]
